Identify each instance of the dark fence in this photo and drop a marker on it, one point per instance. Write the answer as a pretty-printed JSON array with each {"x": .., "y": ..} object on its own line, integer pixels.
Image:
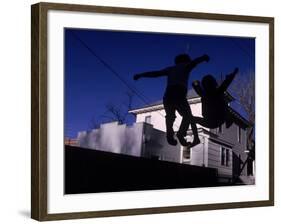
[{"x": 92, "y": 171}]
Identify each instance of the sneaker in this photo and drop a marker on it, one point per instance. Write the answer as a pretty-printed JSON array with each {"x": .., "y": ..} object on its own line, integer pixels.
[
  {"x": 195, "y": 142},
  {"x": 182, "y": 140}
]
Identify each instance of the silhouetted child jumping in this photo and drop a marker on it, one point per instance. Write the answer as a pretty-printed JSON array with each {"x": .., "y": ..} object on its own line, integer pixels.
[
  {"x": 215, "y": 109},
  {"x": 175, "y": 97}
]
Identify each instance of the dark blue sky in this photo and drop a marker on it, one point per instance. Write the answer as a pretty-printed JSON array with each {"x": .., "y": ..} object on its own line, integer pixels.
[{"x": 90, "y": 86}]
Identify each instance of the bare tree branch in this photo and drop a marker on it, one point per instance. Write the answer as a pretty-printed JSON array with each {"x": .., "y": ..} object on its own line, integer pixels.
[
  {"x": 119, "y": 112},
  {"x": 115, "y": 112},
  {"x": 243, "y": 89},
  {"x": 93, "y": 124}
]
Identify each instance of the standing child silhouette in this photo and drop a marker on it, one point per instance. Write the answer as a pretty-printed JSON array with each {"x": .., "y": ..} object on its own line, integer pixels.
[{"x": 175, "y": 97}]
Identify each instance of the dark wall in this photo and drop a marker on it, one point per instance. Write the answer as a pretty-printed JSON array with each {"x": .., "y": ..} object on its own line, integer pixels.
[{"x": 92, "y": 171}]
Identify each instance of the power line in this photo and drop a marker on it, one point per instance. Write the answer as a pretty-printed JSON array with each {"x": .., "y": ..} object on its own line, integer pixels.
[{"x": 140, "y": 95}]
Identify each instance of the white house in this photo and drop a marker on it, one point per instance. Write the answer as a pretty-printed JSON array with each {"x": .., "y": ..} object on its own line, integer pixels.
[{"x": 222, "y": 148}]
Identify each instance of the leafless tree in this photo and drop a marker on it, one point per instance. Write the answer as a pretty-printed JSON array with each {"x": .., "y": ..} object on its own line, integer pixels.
[
  {"x": 115, "y": 112},
  {"x": 93, "y": 124},
  {"x": 119, "y": 112},
  {"x": 243, "y": 89}
]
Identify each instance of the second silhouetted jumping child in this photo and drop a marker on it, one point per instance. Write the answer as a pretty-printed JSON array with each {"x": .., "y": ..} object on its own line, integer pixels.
[{"x": 215, "y": 109}]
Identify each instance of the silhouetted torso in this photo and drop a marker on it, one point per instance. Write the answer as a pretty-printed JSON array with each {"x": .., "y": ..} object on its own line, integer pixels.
[
  {"x": 177, "y": 75},
  {"x": 214, "y": 108}
]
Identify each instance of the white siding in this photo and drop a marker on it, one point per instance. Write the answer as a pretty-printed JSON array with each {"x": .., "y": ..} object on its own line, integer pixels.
[
  {"x": 214, "y": 159},
  {"x": 199, "y": 153},
  {"x": 158, "y": 117}
]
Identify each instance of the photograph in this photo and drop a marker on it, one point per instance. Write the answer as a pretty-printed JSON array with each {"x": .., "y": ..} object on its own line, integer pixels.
[
  {"x": 157, "y": 110},
  {"x": 143, "y": 111}
]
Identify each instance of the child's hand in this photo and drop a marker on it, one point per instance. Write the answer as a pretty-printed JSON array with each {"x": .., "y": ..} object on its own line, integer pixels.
[
  {"x": 137, "y": 76},
  {"x": 233, "y": 74}
]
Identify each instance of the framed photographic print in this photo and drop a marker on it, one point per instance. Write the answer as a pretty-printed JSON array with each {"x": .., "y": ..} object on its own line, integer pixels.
[{"x": 139, "y": 111}]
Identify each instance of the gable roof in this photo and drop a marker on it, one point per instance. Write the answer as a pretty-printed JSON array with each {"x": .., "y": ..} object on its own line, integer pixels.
[{"x": 191, "y": 96}]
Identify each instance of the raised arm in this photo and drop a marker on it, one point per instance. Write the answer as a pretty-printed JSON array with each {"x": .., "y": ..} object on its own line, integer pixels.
[
  {"x": 229, "y": 78},
  {"x": 197, "y": 87},
  {"x": 196, "y": 61},
  {"x": 152, "y": 74}
]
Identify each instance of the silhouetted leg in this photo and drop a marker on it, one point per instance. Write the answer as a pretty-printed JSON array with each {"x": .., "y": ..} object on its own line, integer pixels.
[
  {"x": 229, "y": 119},
  {"x": 184, "y": 110},
  {"x": 196, "y": 139},
  {"x": 170, "y": 118},
  {"x": 208, "y": 122},
  {"x": 200, "y": 120},
  {"x": 181, "y": 134},
  {"x": 187, "y": 118}
]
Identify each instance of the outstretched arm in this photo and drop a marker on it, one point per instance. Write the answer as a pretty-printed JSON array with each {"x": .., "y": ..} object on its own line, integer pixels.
[
  {"x": 197, "y": 87},
  {"x": 229, "y": 78},
  {"x": 152, "y": 74},
  {"x": 196, "y": 61}
]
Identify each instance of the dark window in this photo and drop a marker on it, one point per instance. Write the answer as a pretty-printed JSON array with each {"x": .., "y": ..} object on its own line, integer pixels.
[
  {"x": 186, "y": 153},
  {"x": 148, "y": 119},
  {"x": 225, "y": 156},
  {"x": 222, "y": 156},
  {"x": 239, "y": 134}
]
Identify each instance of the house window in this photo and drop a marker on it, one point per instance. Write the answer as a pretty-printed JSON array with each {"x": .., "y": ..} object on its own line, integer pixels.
[
  {"x": 239, "y": 131},
  {"x": 186, "y": 153},
  {"x": 222, "y": 156},
  {"x": 148, "y": 119},
  {"x": 225, "y": 156}
]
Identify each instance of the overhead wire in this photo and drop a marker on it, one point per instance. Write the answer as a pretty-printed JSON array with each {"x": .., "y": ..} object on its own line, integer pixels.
[
  {"x": 141, "y": 96},
  {"x": 113, "y": 71},
  {"x": 103, "y": 62}
]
